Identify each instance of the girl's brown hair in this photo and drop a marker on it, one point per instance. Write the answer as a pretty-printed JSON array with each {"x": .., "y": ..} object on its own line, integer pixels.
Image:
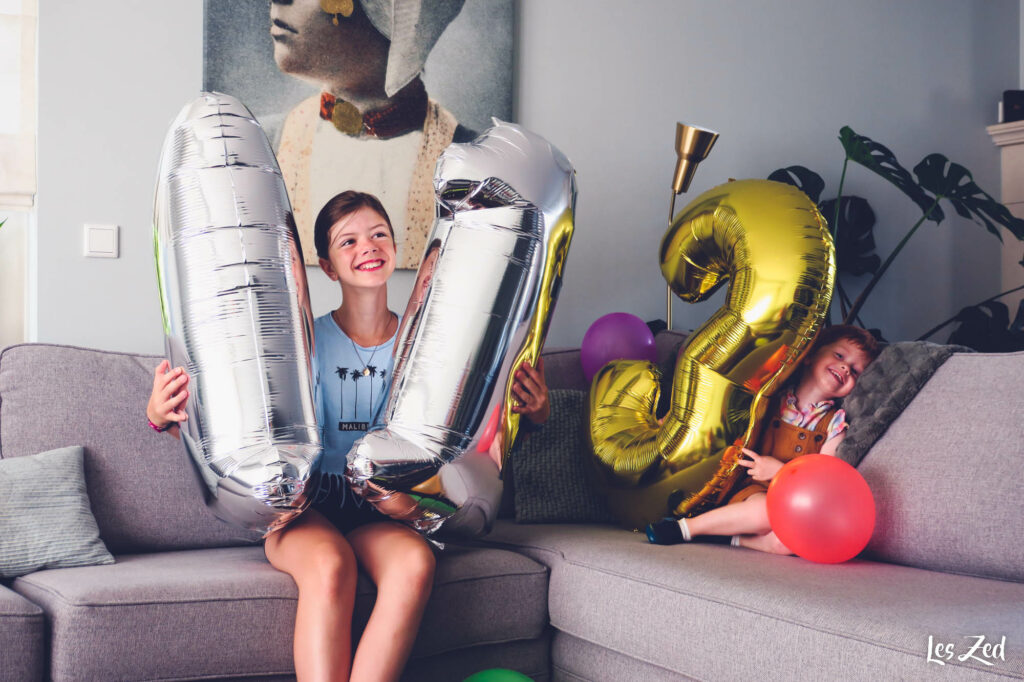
[
  {"x": 338, "y": 207},
  {"x": 861, "y": 338}
]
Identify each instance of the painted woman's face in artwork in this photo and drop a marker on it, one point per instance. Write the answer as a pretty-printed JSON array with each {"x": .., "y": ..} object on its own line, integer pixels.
[{"x": 308, "y": 45}]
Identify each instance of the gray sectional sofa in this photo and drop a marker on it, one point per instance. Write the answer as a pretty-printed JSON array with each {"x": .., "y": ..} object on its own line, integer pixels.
[{"x": 190, "y": 598}]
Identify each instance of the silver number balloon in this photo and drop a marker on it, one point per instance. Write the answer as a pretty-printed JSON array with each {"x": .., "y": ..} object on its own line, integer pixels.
[
  {"x": 236, "y": 313},
  {"x": 481, "y": 305}
]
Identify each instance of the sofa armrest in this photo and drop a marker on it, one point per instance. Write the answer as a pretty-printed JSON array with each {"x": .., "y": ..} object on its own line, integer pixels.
[{"x": 23, "y": 653}]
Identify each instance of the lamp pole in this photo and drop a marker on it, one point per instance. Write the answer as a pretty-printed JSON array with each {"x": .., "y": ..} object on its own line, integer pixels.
[{"x": 693, "y": 144}]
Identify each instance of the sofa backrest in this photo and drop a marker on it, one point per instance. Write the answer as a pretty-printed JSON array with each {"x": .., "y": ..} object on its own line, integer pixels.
[
  {"x": 563, "y": 369},
  {"x": 947, "y": 474},
  {"x": 144, "y": 490}
]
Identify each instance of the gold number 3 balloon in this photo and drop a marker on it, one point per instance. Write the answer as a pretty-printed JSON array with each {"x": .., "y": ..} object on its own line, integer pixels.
[{"x": 769, "y": 241}]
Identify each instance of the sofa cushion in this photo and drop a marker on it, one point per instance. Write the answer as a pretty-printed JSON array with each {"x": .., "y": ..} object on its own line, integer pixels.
[
  {"x": 946, "y": 476},
  {"x": 22, "y": 638},
  {"x": 573, "y": 658},
  {"x": 563, "y": 370},
  {"x": 45, "y": 514},
  {"x": 715, "y": 612},
  {"x": 144, "y": 491},
  {"x": 556, "y": 481},
  {"x": 227, "y": 612}
]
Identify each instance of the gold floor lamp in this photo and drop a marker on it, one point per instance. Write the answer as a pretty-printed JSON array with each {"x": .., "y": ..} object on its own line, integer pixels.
[{"x": 693, "y": 145}]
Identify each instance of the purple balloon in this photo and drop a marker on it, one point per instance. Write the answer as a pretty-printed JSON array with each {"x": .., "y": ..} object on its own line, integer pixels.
[{"x": 616, "y": 336}]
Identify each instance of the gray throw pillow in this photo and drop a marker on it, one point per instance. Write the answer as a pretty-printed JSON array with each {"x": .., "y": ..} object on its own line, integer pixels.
[
  {"x": 45, "y": 519},
  {"x": 885, "y": 389},
  {"x": 555, "y": 479}
]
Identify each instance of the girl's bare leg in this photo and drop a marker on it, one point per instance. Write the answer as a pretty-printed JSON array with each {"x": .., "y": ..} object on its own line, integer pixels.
[
  {"x": 765, "y": 543},
  {"x": 317, "y": 556},
  {"x": 749, "y": 517},
  {"x": 494, "y": 451},
  {"x": 401, "y": 564}
]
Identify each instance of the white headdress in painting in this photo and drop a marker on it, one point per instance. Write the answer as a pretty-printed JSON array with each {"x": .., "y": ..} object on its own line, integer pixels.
[{"x": 413, "y": 27}]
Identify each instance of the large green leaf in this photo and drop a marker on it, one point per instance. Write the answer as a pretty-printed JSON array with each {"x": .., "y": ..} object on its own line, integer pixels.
[
  {"x": 986, "y": 328},
  {"x": 878, "y": 158},
  {"x": 804, "y": 179},
  {"x": 949, "y": 180},
  {"x": 855, "y": 244}
]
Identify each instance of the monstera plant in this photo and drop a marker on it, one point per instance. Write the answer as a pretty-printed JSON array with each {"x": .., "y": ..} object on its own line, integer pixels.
[{"x": 936, "y": 180}]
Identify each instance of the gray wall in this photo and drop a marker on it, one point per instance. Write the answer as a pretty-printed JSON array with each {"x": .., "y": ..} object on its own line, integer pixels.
[
  {"x": 605, "y": 81},
  {"x": 112, "y": 76}
]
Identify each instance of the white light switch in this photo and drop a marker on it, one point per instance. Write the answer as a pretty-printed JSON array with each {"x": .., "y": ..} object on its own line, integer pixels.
[{"x": 101, "y": 241}]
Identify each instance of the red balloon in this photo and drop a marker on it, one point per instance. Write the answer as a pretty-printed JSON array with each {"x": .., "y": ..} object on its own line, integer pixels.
[{"x": 821, "y": 508}]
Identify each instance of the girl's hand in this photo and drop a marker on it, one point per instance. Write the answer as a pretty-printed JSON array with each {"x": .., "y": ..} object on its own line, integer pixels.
[
  {"x": 167, "y": 401},
  {"x": 532, "y": 391},
  {"x": 760, "y": 467}
]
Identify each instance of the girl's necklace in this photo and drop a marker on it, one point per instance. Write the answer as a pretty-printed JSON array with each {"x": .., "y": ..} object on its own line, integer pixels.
[{"x": 355, "y": 348}]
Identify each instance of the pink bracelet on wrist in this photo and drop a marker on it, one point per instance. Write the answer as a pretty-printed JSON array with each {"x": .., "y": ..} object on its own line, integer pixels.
[{"x": 157, "y": 428}]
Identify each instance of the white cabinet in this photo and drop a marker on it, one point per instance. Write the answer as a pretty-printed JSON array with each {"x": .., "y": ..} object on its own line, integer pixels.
[{"x": 1009, "y": 137}]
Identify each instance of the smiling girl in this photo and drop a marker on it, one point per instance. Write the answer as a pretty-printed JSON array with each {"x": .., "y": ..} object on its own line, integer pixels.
[
  {"x": 322, "y": 549},
  {"x": 801, "y": 419}
]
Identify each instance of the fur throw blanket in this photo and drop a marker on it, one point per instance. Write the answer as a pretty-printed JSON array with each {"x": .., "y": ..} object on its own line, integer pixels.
[{"x": 885, "y": 388}]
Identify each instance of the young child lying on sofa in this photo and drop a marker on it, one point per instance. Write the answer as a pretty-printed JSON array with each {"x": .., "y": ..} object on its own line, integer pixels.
[{"x": 801, "y": 419}]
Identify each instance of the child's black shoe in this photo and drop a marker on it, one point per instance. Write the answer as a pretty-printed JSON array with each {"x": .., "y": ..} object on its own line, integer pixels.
[
  {"x": 669, "y": 532},
  {"x": 664, "y": 532}
]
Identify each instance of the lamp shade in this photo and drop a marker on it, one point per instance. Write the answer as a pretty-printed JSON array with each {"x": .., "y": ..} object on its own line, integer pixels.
[{"x": 693, "y": 144}]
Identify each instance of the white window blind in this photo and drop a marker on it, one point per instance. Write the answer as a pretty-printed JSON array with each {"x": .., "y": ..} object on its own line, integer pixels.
[{"x": 18, "y": 102}]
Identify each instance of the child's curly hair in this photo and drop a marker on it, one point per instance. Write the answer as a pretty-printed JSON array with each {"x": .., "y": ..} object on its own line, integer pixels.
[{"x": 861, "y": 338}]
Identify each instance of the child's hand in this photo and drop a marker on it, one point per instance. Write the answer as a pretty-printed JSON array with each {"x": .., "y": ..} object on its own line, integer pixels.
[
  {"x": 167, "y": 401},
  {"x": 532, "y": 391},
  {"x": 760, "y": 467}
]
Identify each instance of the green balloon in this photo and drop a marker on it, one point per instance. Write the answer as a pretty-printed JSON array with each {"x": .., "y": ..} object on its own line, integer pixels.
[{"x": 498, "y": 675}]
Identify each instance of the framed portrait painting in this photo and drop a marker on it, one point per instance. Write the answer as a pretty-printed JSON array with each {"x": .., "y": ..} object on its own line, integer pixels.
[{"x": 364, "y": 94}]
